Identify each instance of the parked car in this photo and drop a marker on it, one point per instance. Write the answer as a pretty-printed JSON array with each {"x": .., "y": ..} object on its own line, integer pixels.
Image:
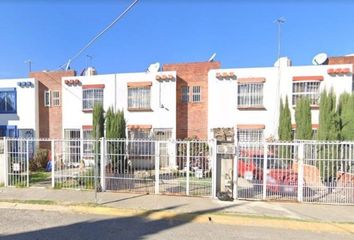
[{"x": 281, "y": 178}]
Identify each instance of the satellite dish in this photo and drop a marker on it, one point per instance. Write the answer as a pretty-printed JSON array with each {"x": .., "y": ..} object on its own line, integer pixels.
[
  {"x": 320, "y": 59},
  {"x": 212, "y": 57},
  {"x": 155, "y": 67}
]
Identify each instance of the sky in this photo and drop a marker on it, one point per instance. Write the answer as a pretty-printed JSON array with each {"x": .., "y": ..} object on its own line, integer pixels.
[{"x": 241, "y": 33}]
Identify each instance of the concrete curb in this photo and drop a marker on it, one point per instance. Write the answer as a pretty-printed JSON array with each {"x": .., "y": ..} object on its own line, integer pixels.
[{"x": 211, "y": 218}]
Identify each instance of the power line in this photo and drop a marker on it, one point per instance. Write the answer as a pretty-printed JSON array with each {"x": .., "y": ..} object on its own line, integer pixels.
[{"x": 99, "y": 35}]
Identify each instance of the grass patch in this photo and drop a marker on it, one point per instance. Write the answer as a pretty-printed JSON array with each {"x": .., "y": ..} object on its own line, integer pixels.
[
  {"x": 41, "y": 202},
  {"x": 39, "y": 176}
]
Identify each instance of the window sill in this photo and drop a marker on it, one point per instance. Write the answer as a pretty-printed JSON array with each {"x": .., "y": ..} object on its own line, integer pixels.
[
  {"x": 313, "y": 107},
  {"x": 139, "y": 109},
  {"x": 259, "y": 108},
  {"x": 87, "y": 110},
  {"x": 8, "y": 112}
]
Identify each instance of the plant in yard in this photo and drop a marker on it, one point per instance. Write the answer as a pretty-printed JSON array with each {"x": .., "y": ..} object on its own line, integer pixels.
[
  {"x": 98, "y": 121},
  {"x": 329, "y": 129},
  {"x": 284, "y": 128},
  {"x": 115, "y": 129},
  {"x": 346, "y": 116},
  {"x": 39, "y": 160},
  {"x": 303, "y": 119}
]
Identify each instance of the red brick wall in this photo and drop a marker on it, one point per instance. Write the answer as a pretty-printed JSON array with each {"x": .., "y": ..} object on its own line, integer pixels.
[
  {"x": 342, "y": 60},
  {"x": 50, "y": 118},
  {"x": 192, "y": 118}
]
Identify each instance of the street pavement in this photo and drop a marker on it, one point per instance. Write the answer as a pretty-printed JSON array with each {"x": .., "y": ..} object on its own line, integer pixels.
[
  {"x": 56, "y": 224},
  {"x": 180, "y": 204}
]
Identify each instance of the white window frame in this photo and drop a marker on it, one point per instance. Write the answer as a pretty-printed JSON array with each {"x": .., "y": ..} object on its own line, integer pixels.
[
  {"x": 47, "y": 98},
  {"x": 55, "y": 99},
  {"x": 196, "y": 94},
  {"x": 250, "y": 134},
  {"x": 88, "y": 143},
  {"x": 139, "y": 98},
  {"x": 250, "y": 95},
  {"x": 314, "y": 96},
  {"x": 97, "y": 97}
]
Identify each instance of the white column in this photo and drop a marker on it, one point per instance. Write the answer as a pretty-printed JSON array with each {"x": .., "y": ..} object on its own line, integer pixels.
[
  {"x": 157, "y": 167},
  {"x": 27, "y": 162},
  {"x": 6, "y": 164},
  {"x": 300, "y": 172},
  {"x": 188, "y": 166},
  {"x": 235, "y": 174},
  {"x": 213, "y": 159},
  {"x": 265, "y": 166},
  {"x": 103, "y": 164},
  {"x": 53, "y": 163}
]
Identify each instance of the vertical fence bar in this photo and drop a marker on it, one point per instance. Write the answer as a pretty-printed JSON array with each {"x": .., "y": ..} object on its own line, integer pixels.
[
  {"x": 157, "y": 168},
  {"x": 6, "y": 165},
  {"x": 103, "y": 164},
  {"x": 265, "y": 167},
  {"x": 53, "y": 163},
  {"x": 213, "y": 159},
  {"x": 300, "y": 172},
  {"x": 188, "y": 166},
  {"x": 235, "y": 173},
  {"x": 27, "y": 162}
]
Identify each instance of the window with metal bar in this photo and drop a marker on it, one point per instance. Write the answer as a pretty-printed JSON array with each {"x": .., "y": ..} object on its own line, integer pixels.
[
  {"x": 309, "y": 89},
  {"x": 185, "y": 94},
  {"x": 90, "y": 97},
  {"x": 139, "y": 98},
  {"x": 88, "y": 144},
  {"x": 56, "y": 98},
  {"x": 196, "y": 94},
  {"x": 250, "y": 95},
  {"x": 250, "y": 135},
  {"x": 72, "y": 145}
]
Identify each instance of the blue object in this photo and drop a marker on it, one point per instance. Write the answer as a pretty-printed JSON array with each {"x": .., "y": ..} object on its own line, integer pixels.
[{"x": 48, "y": 168}]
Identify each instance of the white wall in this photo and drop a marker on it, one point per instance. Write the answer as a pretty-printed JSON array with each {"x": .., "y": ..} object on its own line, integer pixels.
[
  {"x": 27, "y": 105},
  {"x": 116, "y": 94},
  {"x": 223, "y": 110}
]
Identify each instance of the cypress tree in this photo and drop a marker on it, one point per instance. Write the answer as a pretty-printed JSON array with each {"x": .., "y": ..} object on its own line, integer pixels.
[
  {"x": 98, "y": 121},
  {"x": 303, "y": 119},
  {"x": 287, "y": 122},
  {"x": 346, "y": 116}
]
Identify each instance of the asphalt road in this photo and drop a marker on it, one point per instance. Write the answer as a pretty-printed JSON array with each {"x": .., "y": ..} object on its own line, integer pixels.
[{"x": 37, "y": 224}]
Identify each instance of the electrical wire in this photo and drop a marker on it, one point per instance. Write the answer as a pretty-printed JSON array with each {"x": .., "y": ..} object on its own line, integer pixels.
[{"x": 99, "y": 34}]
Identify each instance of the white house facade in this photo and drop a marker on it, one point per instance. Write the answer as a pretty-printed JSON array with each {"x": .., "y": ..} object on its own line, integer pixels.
[
  {"x": 247, "y": 100},
  {"x": 19, "y": 107},
  {"x": 148, "y": 100}
]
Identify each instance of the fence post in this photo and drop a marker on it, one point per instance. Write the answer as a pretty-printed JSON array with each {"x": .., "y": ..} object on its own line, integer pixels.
[
  {"x": 103, "y": 164},
  {"x": 265, "y": 167},
  {"x": 6, "y": 163},
  {"x": 214, "y": 159},
  {"x": 53, "y": 163},
  {"x": 188, "y": 166},
  {"x": 300, "y": 172},
  {"x": 157, "y": 167},
  {"x": 235, "y": 172},
  {"x": 27, "y": 163}
]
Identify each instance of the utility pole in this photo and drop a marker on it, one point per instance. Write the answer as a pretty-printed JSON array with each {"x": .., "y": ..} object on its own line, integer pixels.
[
  {"x": 29, "y": 62},
  {"x": 279, "y": 22}
]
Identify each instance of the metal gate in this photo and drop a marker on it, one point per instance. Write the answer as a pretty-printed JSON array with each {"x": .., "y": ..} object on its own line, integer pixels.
[{"x": 316, "y": 172}]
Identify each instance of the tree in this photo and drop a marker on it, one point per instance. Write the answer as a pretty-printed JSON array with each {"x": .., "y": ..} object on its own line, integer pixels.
[
  {"x": 98, "y": 121},
  {"x": 303, "y": 119},
  {"x": 284, "y": 129},
  {"x": 328, "y": 120},
  {"x": 328, "y": 130},
  {"x": 115, "y": 129},
  {"x": 346, "y": 116}
]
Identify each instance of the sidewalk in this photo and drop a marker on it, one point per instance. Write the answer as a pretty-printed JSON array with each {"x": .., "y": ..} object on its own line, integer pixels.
[{"x": 180, "y": 204}]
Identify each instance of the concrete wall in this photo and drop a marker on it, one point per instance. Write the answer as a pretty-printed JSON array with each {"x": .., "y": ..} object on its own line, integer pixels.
[
  {"x": 163, "y": 99},
  {"x": 223, "y": 111},
  {"x": 27, "y": 103}
]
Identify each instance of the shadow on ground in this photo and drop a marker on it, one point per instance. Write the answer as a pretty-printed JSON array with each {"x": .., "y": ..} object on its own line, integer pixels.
[{"x": 136, "y": 227}]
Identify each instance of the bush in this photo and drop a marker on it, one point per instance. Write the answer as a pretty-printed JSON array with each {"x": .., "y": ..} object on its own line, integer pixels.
[{"x": 39, "y": 160}]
